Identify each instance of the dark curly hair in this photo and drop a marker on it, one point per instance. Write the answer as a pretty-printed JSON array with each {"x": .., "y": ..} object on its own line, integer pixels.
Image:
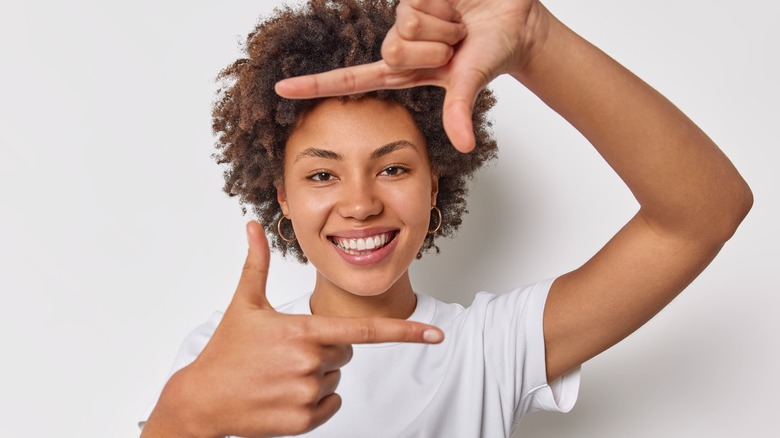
[{"x": 252, "y": 122}]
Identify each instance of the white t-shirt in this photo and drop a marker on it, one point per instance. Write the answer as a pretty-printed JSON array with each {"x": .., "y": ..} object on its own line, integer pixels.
[{"x": 486, "y": 375}]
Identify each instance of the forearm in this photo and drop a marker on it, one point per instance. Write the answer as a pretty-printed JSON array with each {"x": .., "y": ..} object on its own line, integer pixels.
[
  {"x": 691, "y": 197},
  {"x": 682, "y": 181}
]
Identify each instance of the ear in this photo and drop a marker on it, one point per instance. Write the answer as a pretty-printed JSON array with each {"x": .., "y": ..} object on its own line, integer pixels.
[
  {"x": 281, "y": 197},
  {"x": 434, "y": 188}
]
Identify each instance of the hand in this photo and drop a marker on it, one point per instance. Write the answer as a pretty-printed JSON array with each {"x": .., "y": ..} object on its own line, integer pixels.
[
  {"x": 460, "y": 45},
  {"x": 264, "y": 373}
]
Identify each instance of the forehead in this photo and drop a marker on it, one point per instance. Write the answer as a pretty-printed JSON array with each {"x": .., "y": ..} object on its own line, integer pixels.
[{"x": 353, "y": 127}]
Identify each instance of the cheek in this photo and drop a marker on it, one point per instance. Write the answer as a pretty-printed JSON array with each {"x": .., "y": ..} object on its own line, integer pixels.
[
  {"x": 309, "y": 211},
  {"x": 412, "y": 206},
  {"x": 309, "y": 216}
]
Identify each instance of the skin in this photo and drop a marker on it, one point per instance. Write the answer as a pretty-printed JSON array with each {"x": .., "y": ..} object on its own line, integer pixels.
[
  {"x": 691, "y": 197},
  {"x": 264, "y": 373},
  {"x": 351, "y": 169},
  {"x": 691, "y": 200},
  {"x": 335, "y": 185}
]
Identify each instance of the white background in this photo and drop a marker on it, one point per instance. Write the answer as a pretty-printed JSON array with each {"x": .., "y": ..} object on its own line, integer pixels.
[{"x": 116, "y": 238}]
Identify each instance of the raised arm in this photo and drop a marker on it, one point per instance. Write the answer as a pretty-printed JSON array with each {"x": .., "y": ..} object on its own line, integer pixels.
[{"x": 691, "y": 197}]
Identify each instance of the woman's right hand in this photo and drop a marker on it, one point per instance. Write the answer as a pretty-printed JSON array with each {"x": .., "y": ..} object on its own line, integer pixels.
[
  {"x": 264, "y": 373},
  {"x": 459, "y": 45}
]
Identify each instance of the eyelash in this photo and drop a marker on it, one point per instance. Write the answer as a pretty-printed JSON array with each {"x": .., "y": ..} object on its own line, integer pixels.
[
  {"x": 315, "y": 176},
  {"x": 320, "y": 175},
  {"x": 399, "y": 169}
]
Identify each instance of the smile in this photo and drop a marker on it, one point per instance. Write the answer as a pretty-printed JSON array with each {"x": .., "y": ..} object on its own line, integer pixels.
[{"x": 363, "y": 245}]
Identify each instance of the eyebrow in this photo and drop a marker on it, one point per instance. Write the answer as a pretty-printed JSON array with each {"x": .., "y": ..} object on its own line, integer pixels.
[
  {"x": 392, "y": 147},
  {"x": 330, "y": 155},
  {"x": 318, "y": 153}
]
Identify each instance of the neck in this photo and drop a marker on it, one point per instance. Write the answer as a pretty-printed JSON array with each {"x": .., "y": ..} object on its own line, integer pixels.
[{"x": 397, "y": 302}]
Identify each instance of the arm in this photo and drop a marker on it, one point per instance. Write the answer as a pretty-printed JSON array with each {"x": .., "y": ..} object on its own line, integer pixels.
[{"x": 691, "y": 197}]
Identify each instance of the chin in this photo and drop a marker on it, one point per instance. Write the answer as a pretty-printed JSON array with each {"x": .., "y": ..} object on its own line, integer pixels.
[
  {"x": 363, "y": 291},
  {"x": 364, "y": 284}
]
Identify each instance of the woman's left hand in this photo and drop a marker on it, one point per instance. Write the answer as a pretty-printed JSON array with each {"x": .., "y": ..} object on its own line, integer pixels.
[{"x": 460, "y": 45}]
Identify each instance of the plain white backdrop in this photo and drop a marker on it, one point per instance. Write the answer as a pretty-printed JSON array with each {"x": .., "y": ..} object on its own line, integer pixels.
[{"x": 116, "y": 239}]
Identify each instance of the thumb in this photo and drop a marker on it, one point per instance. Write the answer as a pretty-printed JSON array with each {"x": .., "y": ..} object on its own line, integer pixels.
[
  {"x": 250, "y": 292},
  {"x": 458, "y": 109}
]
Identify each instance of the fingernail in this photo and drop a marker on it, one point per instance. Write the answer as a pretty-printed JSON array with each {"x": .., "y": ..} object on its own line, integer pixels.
[{"x": 433, "y": 336}]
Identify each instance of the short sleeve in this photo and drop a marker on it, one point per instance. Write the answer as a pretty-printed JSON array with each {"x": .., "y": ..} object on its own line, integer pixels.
[
  {"x": 195, "y": 342},
  {"x": 515, "y": 352},
  {"x": 189, "y": 350}
]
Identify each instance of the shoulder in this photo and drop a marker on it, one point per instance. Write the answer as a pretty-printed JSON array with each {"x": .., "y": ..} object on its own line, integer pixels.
[
  {"x": 520, "y": 309},
  {"x": 524, "y": 303}
]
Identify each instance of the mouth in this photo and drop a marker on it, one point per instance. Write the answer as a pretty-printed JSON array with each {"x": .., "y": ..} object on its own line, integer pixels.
[{"x": 358, "y": 246}]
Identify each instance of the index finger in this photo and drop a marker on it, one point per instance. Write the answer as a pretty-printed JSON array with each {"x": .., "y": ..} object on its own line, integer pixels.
[
  {"x": 336, "y": 331},
  {"x": 343, "y": 81}
]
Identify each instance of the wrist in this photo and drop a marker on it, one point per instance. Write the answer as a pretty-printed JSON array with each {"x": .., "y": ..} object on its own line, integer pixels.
[
  {"x": 532, "y": 40},
  {"x": 177, "y": 411},
  {"x": 558, "y": 56}
]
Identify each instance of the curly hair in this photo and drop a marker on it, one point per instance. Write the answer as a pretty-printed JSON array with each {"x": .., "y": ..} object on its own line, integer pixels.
[{"x": 252, "y": 123}]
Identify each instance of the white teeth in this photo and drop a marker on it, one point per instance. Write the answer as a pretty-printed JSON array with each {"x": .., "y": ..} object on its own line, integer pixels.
[{"x": 363, "y": 244}]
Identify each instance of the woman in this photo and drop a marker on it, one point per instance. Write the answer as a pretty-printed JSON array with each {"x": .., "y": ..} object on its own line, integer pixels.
[{"x": 359, "y": 187}]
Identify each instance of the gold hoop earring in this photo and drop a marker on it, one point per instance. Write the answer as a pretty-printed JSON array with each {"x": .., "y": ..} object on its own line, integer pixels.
[
  {"x": 279, "y": 230},
  {"x": 438, "y": 225}
]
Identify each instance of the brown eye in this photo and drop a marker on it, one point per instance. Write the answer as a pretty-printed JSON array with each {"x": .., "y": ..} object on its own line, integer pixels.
[
  {"x": 393, "y": 170},
  {"x": 321, "y": 176}
]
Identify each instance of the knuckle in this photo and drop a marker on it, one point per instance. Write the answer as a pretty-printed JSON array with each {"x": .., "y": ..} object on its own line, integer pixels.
[
  {"x": 302, "y": 420},
  {"x": 410, "y": 27},
  {"x": 305, "y": 325},
  {"x": 412, "y": 332},
  {"x": 247, "y": 269},
  {"x": 367, "y": 332},
  {"x": 442, "y": 54},
  {"x": 316, "y": 86},
  {"x": 351, "y": 81},
  {"x": 336, "y": 378},
  {"x": 307, "y": 363},
  {"x": 416, "y": 4},
  {"x": 307, "y": 390},
  {"x": 251, "y": 269},
  {"x": 348, "y": 353},
  {"x": 392, "y": 52},
  {"x": 302, "y": 328},
  {"x": 292, "y": 333}
]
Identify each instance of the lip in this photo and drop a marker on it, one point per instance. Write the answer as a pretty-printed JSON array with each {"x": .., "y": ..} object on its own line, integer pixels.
[{"x": 372, "y": 257}]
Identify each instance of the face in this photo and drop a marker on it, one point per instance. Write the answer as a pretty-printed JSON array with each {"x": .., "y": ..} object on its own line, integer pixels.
[{"x": 358, "y": 189}]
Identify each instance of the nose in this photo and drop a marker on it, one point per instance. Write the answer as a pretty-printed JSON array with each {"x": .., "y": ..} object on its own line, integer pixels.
[{"x": 359, "y": 201}]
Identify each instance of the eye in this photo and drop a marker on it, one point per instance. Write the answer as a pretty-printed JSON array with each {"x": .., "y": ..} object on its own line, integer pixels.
[
  {"x": 321, "y": 176},
  {"x": 394, "y": 170}
]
